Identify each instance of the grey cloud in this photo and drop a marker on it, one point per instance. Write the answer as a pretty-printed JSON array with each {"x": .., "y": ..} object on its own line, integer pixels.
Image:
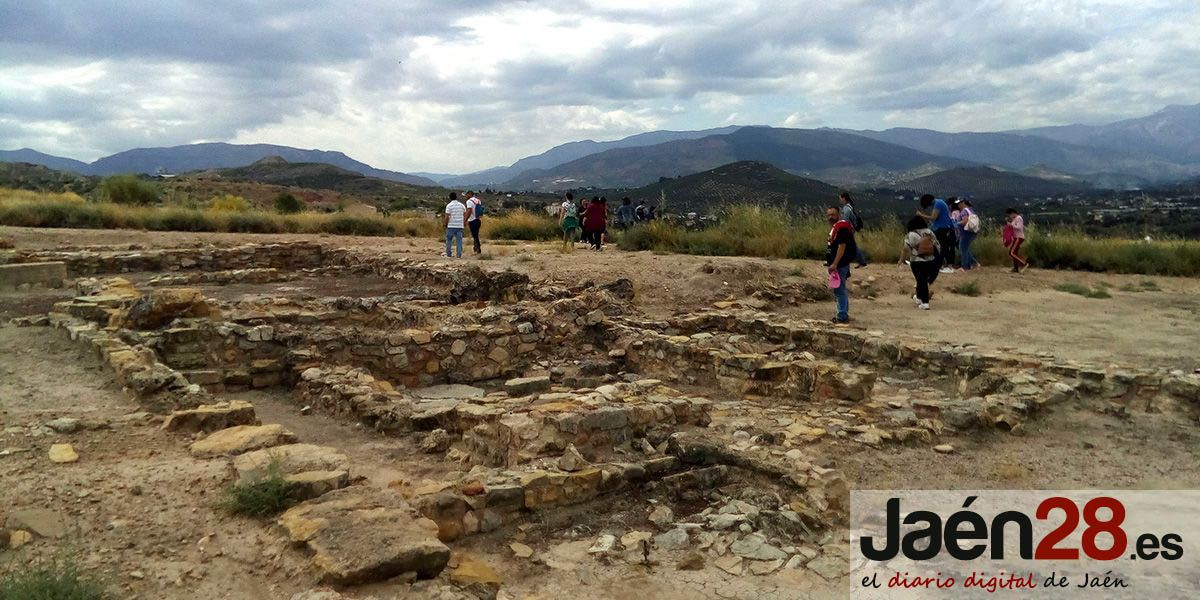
[{"x": 261, "y": 63}]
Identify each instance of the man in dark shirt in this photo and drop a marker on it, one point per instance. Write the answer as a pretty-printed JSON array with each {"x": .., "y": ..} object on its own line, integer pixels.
[{"x": 840, "y": 251}]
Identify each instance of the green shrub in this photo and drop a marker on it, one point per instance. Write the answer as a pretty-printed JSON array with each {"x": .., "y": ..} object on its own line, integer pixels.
[
  {"x": 1082, "y": 290},
  {"x": 53, "y": 580},
  {"x": 266, "y": 496},
  {"x": 287, "y": 204},
  {"x": 253, "y": 222},
  {"x": 129, "y": 189},
  {"x": 180, "y": 219},
  {"x": 968, "y": 288}
]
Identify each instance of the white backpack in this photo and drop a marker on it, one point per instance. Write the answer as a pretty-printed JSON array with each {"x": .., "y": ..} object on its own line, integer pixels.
[{"x": 972, "y": 223}]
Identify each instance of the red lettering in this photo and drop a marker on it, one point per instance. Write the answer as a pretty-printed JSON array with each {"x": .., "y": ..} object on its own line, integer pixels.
[
  {"x": 1045, "y": 549},
  {"x": 1111, "y": 526}
]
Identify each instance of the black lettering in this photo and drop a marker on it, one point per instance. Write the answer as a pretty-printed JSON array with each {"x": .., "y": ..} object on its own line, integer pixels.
[
  {"x": 1147, "y": 546},
  {"x": 891, "y": 545},
  {"x": 1172, "y": 550},
  {"x": 932, "y": 532},
  {"x": 977, "y": 531},
  {"x": 1024, "y": 530}
]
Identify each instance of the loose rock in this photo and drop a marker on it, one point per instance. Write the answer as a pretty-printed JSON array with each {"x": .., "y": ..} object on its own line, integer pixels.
[{"x": 63, "y": 453}]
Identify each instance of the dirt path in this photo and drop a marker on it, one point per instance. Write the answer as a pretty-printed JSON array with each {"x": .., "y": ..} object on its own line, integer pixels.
[{"x": 136, "y": 508}]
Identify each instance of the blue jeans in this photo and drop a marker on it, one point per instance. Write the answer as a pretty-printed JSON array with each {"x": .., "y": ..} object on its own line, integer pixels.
[
  {"x": 452, "y": 234},
  {"x": 964, "y": 249},
  {"x": 842, "y": 293}
]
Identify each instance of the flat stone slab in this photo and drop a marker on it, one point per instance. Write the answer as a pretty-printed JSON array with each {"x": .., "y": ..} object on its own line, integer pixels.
[
  {"x": 523, "y": 386},
  {"x": 312, "y": 484},
  {"x": 241, "y": 439},
  {"x": 291, "y": 459},
  {"x": 363, "y": 534},
  {"x": 43, "y": 522},
  {"x": 454, "y": 391},
  {"x": 212, "y": 417}
]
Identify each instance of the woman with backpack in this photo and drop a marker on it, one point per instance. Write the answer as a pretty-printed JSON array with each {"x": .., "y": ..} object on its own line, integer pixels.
[
  {"x": 568, "y": 219},
  {"x": 924, "y": 255},
  {"x": 969, "y": 225}
]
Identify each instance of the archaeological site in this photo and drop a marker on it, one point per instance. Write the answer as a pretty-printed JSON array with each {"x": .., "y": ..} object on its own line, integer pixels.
[{"x": 300, "y": 420}]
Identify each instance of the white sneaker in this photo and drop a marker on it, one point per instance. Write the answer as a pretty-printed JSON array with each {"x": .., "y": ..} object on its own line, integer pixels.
[
  {"x": 923, "y": 306},
  {"x": 945, "y": 270},
  {"x": 916, "y": 300}
]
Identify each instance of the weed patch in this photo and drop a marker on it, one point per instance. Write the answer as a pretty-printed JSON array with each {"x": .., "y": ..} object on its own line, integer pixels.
[
  {"x": 265, "y": 497},
  {"x": 968, "y": 288},
  {"x": 1082, "y": 290},
  {"x": 52, "y": 580}
]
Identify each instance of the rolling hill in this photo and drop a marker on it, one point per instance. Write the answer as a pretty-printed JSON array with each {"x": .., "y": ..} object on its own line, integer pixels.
[
  {"x": 58, "y": 163},
  {"x": 276, "y": 171},
  {"x": 985, "y": 182},
  {"x": 821, "y": 154},
  {"x": 196, "y": 157},
  {"x": 570, "y": 151},
  {"x": 744, "y": 182},
  {"x": 39, "y": 178}
]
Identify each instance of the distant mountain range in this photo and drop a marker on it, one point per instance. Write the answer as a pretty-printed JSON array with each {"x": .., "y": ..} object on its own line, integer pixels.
[
  {"x": 564, "y": 153},
  {"x": 1161, "y": 147},
  {"x": 824, "y": 154},
  {"x": 1152, "y": 150},
  {"x": 196, "y": 157}
]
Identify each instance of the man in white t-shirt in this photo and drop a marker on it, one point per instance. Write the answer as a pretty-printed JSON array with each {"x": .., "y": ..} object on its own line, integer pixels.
[
  {"x": 473, "y": 214},
  {"x": 453, "y": 220}
]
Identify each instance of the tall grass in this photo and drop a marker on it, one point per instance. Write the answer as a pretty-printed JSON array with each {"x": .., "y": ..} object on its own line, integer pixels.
[
  {"x": 32, "y": 209},
  {"x": 520, "y": 225},
  {"x": 25, "y": 209},
  {"x": 766, "y": 232}
]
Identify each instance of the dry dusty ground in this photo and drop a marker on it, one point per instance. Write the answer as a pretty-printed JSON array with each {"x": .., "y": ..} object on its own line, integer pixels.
[{"x": 140, "y": 509}]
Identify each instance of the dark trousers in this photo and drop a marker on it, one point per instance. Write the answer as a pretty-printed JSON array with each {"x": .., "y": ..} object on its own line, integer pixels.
[
  {"x": 474, "y": 225},
  {"x": 925, "y": 272},
  {"x": 594, "y": 238},
  {"x": 948, "y": 242}
]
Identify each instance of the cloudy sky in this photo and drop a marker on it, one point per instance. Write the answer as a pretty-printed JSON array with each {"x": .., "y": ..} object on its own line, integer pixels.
[{"x": 455, "y": 86}]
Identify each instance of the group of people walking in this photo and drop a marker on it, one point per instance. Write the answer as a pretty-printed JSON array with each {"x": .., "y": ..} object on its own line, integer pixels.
[
  {"x": 932, "y": 236},
  {"x": 586, "y": 220},
  {"x": 590, "y": 219}
]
